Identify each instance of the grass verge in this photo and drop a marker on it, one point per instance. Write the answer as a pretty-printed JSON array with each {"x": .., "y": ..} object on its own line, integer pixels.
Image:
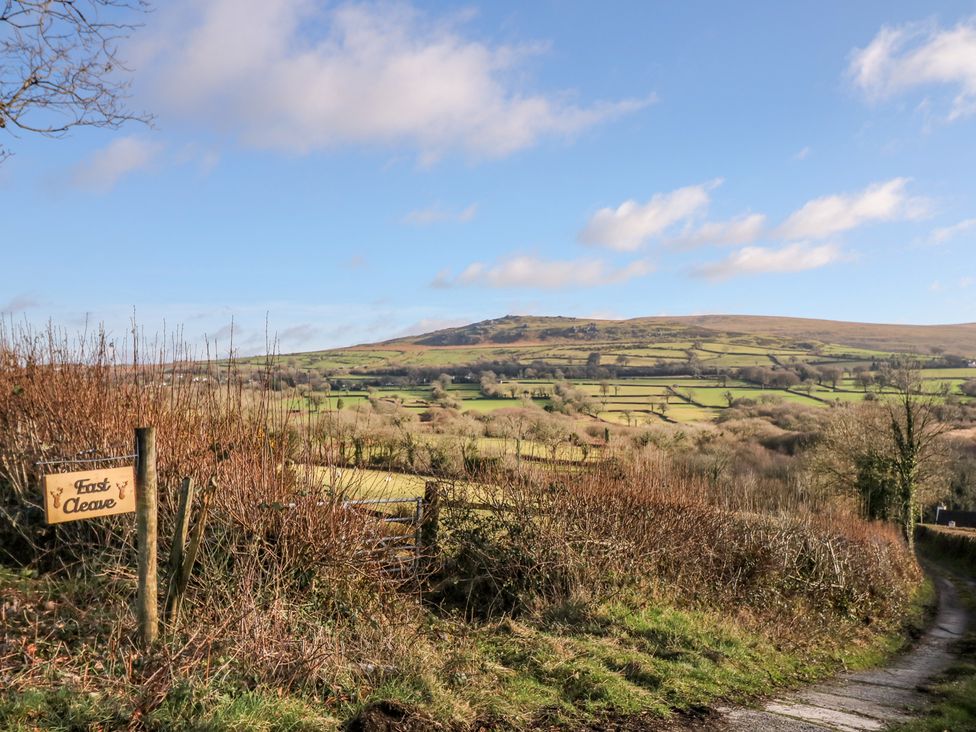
[{"x": 567, "y": 667}]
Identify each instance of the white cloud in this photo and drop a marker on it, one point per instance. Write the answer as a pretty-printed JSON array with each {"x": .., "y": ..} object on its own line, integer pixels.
[
  {"x": 803, "y": 154},
  {"x": 791, "y": 246},
  {"x": 909, "y": 56},
  {"x": 298, "y": 335},
  {"x": 429, "y": 325},
  {"x": 108, "y": 166},
  {"x": 944, "y": 234},
  {"x": 740, "y": 230},
  {"x": 297, "y": 76},
  {"x": 961, "y": 283},
  {"x": 18, "y": 304},
  {"x": 761, "y": 260},
  {"x": 823, "y": 217},
  {"x": 533, "y": 272},
  {"x": 436, "y": 214},
  {"x": 602, "y": 315},
  {"x": 627, "y": 227}
]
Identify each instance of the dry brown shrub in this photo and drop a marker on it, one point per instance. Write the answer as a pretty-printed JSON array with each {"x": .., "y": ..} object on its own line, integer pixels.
[
  {"x": 650, "y": 524},
  {"x": 287, "y": 585}
]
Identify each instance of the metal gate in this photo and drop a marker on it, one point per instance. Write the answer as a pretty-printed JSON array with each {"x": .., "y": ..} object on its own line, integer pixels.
[{"x": 399, "y": 549}]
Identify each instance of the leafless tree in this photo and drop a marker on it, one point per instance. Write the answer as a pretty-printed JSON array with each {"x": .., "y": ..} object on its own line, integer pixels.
[
  {"x": 916, "y": 432},
  {"x": 59, "y": 65},
  {"x": 886, "y": 452}
]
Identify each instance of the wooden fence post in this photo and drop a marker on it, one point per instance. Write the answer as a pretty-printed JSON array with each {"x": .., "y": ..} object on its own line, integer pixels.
[
  {"x": 182, "y": 576},
  {"x": 176, "y": 550},
  {"x": 147, "y": 611},
  {"x": 429, "y": 521}
]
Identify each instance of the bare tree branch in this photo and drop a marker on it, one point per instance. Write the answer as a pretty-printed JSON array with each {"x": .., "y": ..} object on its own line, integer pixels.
[{"x": 59, "y": 66}]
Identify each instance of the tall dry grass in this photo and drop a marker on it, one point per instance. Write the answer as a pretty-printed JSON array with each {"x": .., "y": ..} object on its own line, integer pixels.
[
  {"x": 649, "y": 522},
  {"x": 285, "y": 586}
]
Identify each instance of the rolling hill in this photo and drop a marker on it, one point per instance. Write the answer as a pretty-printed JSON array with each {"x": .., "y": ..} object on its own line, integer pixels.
[
  {"x": 649, "y": 339},
  {"x": 676, "y": 369},
  {"x": 959, "y": 339}
]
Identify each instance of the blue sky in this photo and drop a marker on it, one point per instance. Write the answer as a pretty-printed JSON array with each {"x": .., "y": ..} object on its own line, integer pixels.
[{"x": 342, "y": 173}]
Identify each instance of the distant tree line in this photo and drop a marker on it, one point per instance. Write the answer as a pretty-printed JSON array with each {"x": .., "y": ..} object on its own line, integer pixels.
[{"x": 493, "y": 377}]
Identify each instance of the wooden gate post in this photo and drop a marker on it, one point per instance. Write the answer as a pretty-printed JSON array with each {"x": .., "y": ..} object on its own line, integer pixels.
[
  {"x": 428, "y": 523},
  {"x": 147, "y": 611},
  {"x": 177, "y": 549}
]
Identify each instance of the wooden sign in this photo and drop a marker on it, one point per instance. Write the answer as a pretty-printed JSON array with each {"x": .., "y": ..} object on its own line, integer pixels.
[{"x": 89, "y": 494}]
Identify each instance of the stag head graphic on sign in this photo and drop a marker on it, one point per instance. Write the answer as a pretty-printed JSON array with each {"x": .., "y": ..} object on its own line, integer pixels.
[{"x": 89, "y": 494}]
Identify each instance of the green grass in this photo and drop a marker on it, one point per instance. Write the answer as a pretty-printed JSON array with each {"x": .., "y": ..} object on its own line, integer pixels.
[
  {"x": 839, "y": 396},
  {"x": 951, "y": 373},
  {"x": 634, "y": 657},
  {"x": 486, "y": 404},
  {"x": 716, "y": 397},
  {"x": 733, "y": 361},
  {"x": 572, "y": 665},
  {"x": 690, "y": 413},
  {"x": 183, "y": 708}
]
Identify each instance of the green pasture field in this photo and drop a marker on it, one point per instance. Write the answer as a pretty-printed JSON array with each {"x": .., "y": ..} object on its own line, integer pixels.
[
  {"x": 967, "y": 373},
  {"x": 634, "y": 402},
  {"x": 449, "y": 357},
  {"x": 636, "y": 395},
  {"x": 618, "y": 417},
  {"x": 365, "y": 483},
  {"x": 649, "y": 361},
  {"x": 716, "y": 397},
  {"x": 618, "y": 388},
  {"x": 841, "y": 396},
  {"x": 648, "y": 353},
  {"x": 933, "y": 385},
  {"x": 799, "y": 397},
  {"x": 744, "y": 349},
  {"x": 327, "y": 404},
  {"x": 831, "y": 349},
  {"x": 733, "y": 360},
  {"x": 638, "y": 416},
  {"x": 684, "y": 412},
  {"x": 485, "y": 404},
  {"x": 849, "y": 384}
]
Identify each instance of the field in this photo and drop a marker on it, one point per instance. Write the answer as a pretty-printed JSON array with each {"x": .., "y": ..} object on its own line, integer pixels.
[
  {"x": 644, "y": 371},
  {"x": 680, "y": 399}
]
